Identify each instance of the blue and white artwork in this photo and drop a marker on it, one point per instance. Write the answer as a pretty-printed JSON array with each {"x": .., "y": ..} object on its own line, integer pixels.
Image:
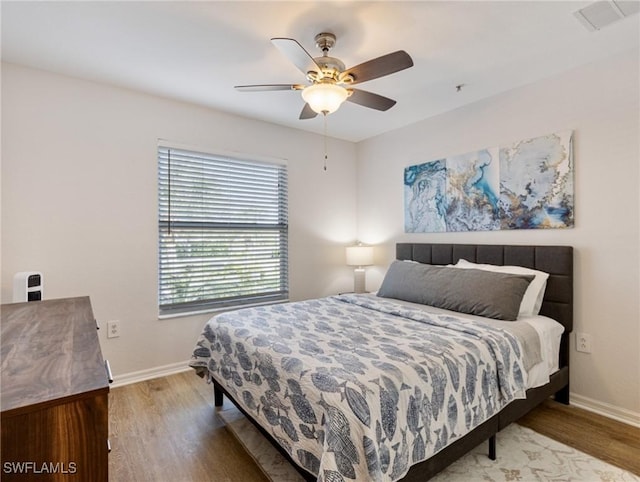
[
  {"x": 425, "y": 188},
  {"x": 473, "y": 185},
  {"x": 526, "y": 185},
  {"x": 536, "y": 183}
]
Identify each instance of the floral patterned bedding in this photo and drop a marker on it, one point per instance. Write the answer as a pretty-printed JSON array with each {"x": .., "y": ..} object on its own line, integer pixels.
[{"x": 359, "y": 387}]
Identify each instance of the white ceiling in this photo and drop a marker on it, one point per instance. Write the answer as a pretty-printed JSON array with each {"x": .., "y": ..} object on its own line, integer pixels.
[{"x": 197, "y": 51}]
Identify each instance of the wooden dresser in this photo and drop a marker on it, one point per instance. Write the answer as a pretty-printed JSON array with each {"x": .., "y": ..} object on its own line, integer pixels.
[{"x": 54, "y": 393}]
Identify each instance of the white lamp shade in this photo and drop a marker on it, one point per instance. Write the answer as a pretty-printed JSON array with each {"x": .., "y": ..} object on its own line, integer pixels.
[
  {"x": 359, "y": 255},
  {"x": 324, "y": 98}
]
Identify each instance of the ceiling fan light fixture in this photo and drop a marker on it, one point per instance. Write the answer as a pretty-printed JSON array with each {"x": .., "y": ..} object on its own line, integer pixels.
[{"x": 324, "y": 98}]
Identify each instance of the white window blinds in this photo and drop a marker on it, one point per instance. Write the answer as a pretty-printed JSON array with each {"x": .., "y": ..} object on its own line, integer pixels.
[{"x": 222, "y": 231}]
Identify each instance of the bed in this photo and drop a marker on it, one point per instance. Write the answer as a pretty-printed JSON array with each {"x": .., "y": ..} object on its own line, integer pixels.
[{"x": 366, "y": 387}]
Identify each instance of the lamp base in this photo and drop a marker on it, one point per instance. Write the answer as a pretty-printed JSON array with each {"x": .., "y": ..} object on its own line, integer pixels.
[{"x": 359, "y": 280}]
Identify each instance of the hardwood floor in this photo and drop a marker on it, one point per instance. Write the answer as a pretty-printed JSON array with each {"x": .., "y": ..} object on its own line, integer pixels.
[
  {"x": 614, "y": 442},
  {"x": 166, "y": 429}
]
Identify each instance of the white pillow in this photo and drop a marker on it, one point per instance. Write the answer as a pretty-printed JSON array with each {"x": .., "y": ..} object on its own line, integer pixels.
[{"x": 532, "y": 299}]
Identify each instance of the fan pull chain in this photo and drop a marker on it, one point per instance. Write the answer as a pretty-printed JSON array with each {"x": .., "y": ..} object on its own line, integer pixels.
[{"x": 325, "y": 140}]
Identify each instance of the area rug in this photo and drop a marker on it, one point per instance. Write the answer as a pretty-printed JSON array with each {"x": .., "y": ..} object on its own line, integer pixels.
[{"x": 523, "y": 456}]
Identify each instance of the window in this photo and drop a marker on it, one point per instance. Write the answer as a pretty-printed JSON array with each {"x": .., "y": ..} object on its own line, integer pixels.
[{"x": 222, "y": 231}]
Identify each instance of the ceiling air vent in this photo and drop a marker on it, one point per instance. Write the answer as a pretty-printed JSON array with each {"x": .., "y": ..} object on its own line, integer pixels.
[{"x": 605, "y": 12}]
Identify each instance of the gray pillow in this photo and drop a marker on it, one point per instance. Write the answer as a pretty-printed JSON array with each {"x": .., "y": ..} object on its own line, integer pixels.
[{"x": 473, "y": 291}]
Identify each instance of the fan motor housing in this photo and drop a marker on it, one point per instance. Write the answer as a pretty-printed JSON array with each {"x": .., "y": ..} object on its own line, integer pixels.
[{"x": 331, "y": 67}]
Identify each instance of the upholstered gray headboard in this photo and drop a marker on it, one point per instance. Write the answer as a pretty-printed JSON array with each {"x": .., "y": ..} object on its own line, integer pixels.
[{"x": 555, "y": 260}]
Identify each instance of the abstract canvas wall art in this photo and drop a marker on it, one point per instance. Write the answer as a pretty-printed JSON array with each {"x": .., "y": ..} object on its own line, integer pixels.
[
  {"x": 525, "y": 185},
  {"x": 425, "y": 189},
  {"x": 536, "y": 183},
  {"x": 473, "y": 191}
]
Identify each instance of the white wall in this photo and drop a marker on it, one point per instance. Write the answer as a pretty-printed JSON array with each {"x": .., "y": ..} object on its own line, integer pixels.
[
  {"x": 79, "y": 202},
  {"x": 600, "y": 102}
]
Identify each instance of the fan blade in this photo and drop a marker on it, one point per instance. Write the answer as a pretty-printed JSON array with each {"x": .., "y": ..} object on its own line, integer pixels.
[
  {"x": 266, "y": 87},
  {"x": 296, "y": 54},
  {"x": 307, "y": 112},
  {"x": 371, "y": 100},
  {"x": 379, "y": 67}
]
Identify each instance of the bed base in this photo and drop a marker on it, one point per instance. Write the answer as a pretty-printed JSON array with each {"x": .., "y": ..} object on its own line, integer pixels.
[
  {"x": 557, "y": 304},
  {"x": 219, "y": 392},
  {"x": 419, "y": 472},
  {"x": 487, "y": 431}
]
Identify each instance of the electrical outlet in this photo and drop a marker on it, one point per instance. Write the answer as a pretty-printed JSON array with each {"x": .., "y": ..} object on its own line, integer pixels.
[
  {"x": 583, "y": 342},
  {"x": 113, "y": 329}
]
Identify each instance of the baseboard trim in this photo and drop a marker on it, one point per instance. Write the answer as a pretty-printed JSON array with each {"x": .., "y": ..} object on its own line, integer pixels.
[
  {"x": 156, "y": 372},
  {"x": 607, "y": 410}
]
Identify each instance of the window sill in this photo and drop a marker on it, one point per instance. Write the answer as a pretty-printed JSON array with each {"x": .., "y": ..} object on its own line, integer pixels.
[{"x": 218, "y": 310}]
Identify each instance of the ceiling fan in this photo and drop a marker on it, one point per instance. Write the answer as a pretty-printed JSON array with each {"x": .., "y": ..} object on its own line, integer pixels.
[{"x": 330, "y": 83}]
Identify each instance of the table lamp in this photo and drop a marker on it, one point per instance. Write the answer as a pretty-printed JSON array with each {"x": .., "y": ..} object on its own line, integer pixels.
[{"x": 359, "y": 256}]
